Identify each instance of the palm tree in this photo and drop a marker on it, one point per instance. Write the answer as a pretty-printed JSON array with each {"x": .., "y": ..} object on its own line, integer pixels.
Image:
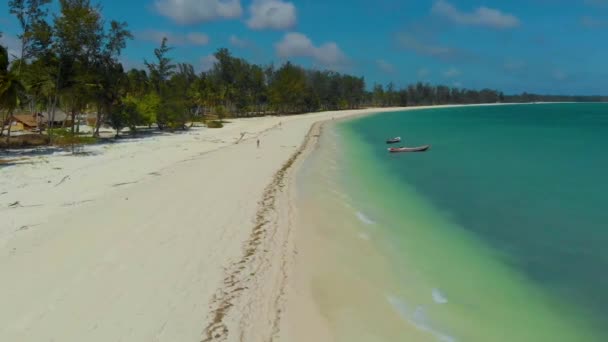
[
  {"x": 11, "y": 91},
  {"x": 3, "y": 72}
]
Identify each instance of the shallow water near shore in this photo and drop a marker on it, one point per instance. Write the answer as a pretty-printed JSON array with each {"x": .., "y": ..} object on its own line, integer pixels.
[{"x": 497, "y": 234}]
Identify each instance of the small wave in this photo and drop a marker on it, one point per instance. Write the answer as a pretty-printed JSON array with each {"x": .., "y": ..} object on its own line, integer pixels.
[
  {"x": 340, "y": 195},
  {"x": 417, "y": 318},
  {"x": 347, "y": 205},
  {"x": 438, "y": 297},
  {"x": 361, "y": 216},
  {"x": 398, "y": 305}
]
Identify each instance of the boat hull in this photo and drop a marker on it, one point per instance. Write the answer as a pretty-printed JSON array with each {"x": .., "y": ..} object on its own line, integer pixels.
[{"x": 409, "y": 149}]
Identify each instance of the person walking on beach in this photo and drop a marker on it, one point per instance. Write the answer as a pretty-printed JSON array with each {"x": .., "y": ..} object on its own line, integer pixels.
[{"x": 258, "y": 143}]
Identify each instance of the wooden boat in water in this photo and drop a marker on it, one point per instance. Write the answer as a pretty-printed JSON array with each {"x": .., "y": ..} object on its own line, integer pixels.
[
  {"x": 393, "y": 140},
  {"x": 423, "y": 148}
]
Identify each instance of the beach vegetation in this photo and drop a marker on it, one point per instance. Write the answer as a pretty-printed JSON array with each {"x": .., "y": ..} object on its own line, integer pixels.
[
  {"x": 68, "y": 61},
  {"x": 215, "y": 124},
  {"x": 220, "y": 112},
  {"x": 65, "y": 137},
  {"x": 12, "y": 91}
]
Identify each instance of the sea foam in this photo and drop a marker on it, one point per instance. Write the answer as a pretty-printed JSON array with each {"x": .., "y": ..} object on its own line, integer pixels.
[
  {"x": 418, "y": 318},
  {"x": 438, "y": 297},
  {"x": 361, "y": 216}
]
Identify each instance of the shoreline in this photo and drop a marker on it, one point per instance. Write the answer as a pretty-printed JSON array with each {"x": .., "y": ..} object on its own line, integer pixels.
[
  {"x": 306, "y": 318},
  {"x": 274, "y": 217},
  {"x": 167, "y": 234},
  {"x": 325, "y": 282},
  {"x": 147, "y": 233},
  {"x": 303, "y": 321}
]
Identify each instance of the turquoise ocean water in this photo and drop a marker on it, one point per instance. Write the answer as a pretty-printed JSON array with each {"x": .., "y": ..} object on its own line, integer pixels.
[{"x": 498, "y": 233}]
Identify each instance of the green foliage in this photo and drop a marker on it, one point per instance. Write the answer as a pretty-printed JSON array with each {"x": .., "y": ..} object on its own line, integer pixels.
[
  {"x": 215, "y": 124},
  {"x": 130, "y": 115},
  {"x": 89, "y": 71},
  {"x": 421, "y": 94},
  {"x": 288, "y": 90},
  {"x": 118, "y": 119},
  {"x": 71, "y": 62},
  {"x": 174, "y": 102},
  {"x": 173, "y": 114},
  {"x": 126, "y": 114},
  {"x": 61, "y": 132},
  {"x": 137, "y": 83},
  {"x": 31, "y": 16},
  {"x": 163, "y": 69},
  {"x": 3, "y": 60},
  {"x": 64, "y": 137},
  {"x": 148, "y": 107},
  {"x": 12, "y": 90},
  {"x": 220, "y": 112}
]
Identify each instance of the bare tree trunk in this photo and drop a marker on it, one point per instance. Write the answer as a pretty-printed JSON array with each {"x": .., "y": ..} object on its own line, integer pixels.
[
  {"x": 52, "y": 116},
  {"x": 99, "y": 119},
  {"x": 73, "y": 121},
  {"x": 22, "y": 52},
  {"x": 78, "y": 123},
  {"x": 73, "y": 132},
  {"x": 54, "y": 105},
  {"x": 4, "y": 118},
  {"x": 10, "y": 126}
]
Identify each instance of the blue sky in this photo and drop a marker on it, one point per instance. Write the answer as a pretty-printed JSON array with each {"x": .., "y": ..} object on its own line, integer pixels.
[{"x": 542, "y": 46}]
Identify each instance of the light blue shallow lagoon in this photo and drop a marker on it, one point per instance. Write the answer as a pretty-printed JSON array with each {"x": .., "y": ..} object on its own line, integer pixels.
[{"x": 498, "y": 233}]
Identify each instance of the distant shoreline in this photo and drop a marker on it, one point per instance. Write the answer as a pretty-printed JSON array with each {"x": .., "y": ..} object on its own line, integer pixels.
[{"x": 40, "y": 141}]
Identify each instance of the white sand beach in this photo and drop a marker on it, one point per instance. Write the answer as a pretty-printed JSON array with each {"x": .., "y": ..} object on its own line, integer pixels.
[{"x": 181, "y": 237}]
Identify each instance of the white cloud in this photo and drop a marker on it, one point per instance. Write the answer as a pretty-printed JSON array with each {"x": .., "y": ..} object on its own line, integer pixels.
[
  {"x": 272, "y": 14},
  {"x": 298, "y": 45},
  {"x": 385, "y": 66},
  {"x": 174, "y": 39},
  {"x": 190, "y": 12},
  {"x": 422, "y": 47},
  {"x": 482, "y": 16},
  {"x": 207, "y": 62},
  {"x": 457, "y": 84},
  {"x": 197, "y": 38},
  {"x": 238, "y": 42},
  {"x": 452, "y": 72}
]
